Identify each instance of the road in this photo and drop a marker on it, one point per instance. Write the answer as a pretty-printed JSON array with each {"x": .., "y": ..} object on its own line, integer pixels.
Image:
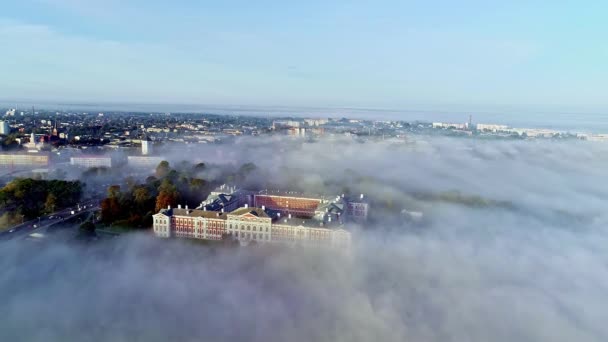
[{"x": 32, "y": 226}]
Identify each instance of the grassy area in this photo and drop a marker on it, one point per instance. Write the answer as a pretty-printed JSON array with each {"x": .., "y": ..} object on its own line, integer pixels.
[{"x": 114, "y": 229}]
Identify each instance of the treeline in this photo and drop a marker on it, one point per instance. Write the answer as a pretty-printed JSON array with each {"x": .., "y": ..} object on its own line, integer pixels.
[
  {"x": 33, "y": 198},
  {"x": 135, "y": 205}
]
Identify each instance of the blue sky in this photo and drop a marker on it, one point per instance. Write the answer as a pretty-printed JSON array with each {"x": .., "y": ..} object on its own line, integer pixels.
[{"x": 378, "y": 54}]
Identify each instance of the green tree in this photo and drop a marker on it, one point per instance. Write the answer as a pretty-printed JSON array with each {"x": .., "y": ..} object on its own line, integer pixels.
[
  {"x": 162, "y": 169},
  {"x": 141, "y": 196}
]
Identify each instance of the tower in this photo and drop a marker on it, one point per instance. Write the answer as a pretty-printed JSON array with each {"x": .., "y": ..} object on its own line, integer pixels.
[{"x": 145, "y": 146}]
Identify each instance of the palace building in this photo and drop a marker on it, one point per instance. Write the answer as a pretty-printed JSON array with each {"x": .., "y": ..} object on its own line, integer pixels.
[{"x": 263, "y": 217}]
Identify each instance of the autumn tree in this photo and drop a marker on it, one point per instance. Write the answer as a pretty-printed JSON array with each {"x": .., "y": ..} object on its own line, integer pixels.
[
  {"x": 167, "y": 195},
  {"x": 50, "y": 203},
  {"x": 110, "y": 206}
]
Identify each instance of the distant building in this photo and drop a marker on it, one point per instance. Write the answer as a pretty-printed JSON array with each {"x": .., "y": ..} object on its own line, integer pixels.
[
  {"x": 282, "y": 217},
  {"x": 144, "y": 161},
  {"x": 278, "y": 124},
  {"x": 462, "y": 126},
  {"x": 219, "y": 200},
  {"x": 286, "y": 203},
  {"x": 296, "y": 132},
  {"x": 145, "y": 146},
  {"x": 535, "y": 132},
  {"x": 32, "y": 144},
  {"x": 91, "y": 161},
  {"x": 245, "y": 225},
  {"x": 315, "y": 122},
  {"x": 491, "y": 127},
  {"x": 5, "y": 128},
  {"x": 597, "y": 137},
  {"x": 23, "y": 159},
  {"x": 357, "y": 209}
]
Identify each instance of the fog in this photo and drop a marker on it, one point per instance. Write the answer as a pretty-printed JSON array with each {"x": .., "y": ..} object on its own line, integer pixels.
[{"x": 512, "y": 248}]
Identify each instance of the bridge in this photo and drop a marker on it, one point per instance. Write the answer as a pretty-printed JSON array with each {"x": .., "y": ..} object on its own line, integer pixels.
[{"x": 40, "y": 224}]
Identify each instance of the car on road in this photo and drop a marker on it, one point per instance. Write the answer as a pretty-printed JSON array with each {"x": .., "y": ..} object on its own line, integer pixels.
[{"x": 12, "y": 230}]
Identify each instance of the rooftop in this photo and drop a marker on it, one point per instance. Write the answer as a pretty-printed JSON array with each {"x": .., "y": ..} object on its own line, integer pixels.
[
  {"x": 254, "y": 211},
  {"x": 194, "y": 213}
]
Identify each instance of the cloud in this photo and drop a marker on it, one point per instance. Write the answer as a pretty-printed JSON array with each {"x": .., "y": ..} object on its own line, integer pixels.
[{"x": 533, "y": 269}]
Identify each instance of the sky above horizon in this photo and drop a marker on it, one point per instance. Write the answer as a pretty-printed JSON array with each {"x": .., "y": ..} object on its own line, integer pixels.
[{"x": 376, "y": 54}]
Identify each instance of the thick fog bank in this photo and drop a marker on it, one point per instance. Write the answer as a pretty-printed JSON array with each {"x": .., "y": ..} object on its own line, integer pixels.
[{"x": 515, "y": 251}]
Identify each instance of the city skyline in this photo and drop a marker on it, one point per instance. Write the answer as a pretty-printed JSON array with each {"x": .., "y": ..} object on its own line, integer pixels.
[{"x": 391, "y": 55}]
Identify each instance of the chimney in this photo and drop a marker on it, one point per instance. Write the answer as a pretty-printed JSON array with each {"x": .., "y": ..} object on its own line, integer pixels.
[
  {"x": 186, "y": 207},
  {"x": 361, "y": 196},
  {"x": 246, "y": 205},
  {"x": 329, "y": 219},
  {"x": 279, "y": 215},
  {"x": 222, "y": 209},
  {"x": 263, "y": 207},
  {"x": 289, "y": 216},
  {"x": 204, "y": 208},
  {"x": 179, "y": 206},
  {"x": 169, "y": 206}
]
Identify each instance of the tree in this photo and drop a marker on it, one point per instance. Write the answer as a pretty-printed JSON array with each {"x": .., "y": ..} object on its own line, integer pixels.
[
  {"x": 247, "y": 168},
  {"x": 33, "y": 197},
  {"x": 200, "y": 167},
  {"x": 165, "y": 199},
  {"x": 110, "y": 209},
  {"x": 141, "y": 195},
  {"x": 167, "y": 195},
  {"x": 197, "y": 184},
  {"x": 114, "y": 191},
  {"x": 50, "y": 203},
  {"x": 162, "y": 169}
]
